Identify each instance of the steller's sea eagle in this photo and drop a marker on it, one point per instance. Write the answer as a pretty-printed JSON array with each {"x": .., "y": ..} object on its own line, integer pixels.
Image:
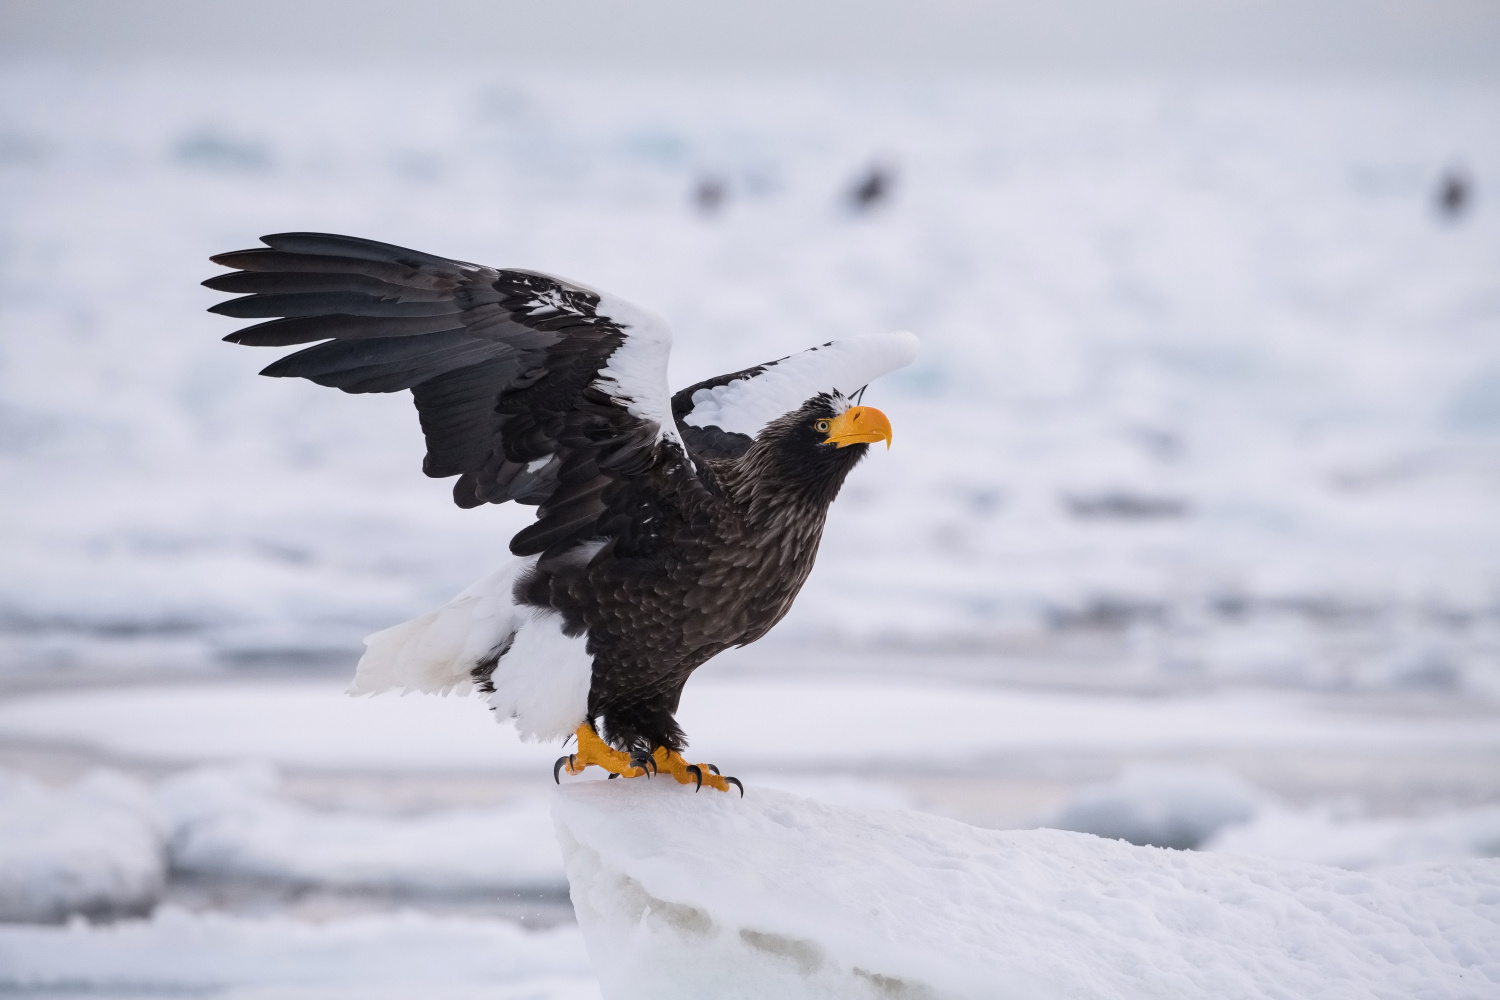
[{"x": 669, "y": 527}]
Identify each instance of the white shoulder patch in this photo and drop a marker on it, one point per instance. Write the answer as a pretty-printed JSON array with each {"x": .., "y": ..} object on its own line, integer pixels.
[
  {"x": 636, "y": 375},
  {"x": 747, "y": 405}
]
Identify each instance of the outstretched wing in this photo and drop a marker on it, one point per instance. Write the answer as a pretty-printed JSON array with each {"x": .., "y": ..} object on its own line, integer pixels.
[
  {"x": 529, "y": 387},
  {"x": 720, "y": 417}
]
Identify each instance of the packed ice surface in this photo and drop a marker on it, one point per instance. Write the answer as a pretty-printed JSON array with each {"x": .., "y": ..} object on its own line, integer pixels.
[
  {"x": 93, "y": 847},
  {"x": 683, "y": 895},
  {"x": 178, "y": 951},
  {"x": 1205, "y": 379}
]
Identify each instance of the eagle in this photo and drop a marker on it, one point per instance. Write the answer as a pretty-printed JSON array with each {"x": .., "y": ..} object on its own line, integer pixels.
[{"x": 669, "y": 526}]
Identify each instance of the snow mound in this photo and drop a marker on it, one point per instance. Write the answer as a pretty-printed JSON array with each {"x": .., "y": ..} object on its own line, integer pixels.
[
  {"x": 234, "y": 821},
  {"x": 684, "y": 895},
  {"x": 179, "y": 950},
  {"x": 92, "y": 847},
  {"x": 1161, "y": 806}
]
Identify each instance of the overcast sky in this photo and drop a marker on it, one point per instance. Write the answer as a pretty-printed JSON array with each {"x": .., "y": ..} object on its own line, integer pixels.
[{"x": 1109, "y": 37}]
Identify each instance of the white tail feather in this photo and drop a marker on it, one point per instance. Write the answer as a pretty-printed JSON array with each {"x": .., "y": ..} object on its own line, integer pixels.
[{"x": 437, "y": 652}]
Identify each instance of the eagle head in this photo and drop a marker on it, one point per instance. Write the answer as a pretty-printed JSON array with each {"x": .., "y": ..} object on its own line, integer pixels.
[{"x": 813, "y": 448}]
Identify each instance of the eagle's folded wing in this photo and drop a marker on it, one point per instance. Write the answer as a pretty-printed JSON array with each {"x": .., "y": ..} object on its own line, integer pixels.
[
  {"x": 720, "y": 417},
  {"x": 529, "y": 387}
]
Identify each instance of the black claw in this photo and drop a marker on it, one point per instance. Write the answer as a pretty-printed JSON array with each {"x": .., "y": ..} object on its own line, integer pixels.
[
  {"x": 613, "y": 776},
  {"x": 697, "y": 773},
  {"x": 736, "y": 783},
  {"x": 556, "y": 768},
  {"x": 715, "y": 770},
  {"x": 644, "y": 761}
]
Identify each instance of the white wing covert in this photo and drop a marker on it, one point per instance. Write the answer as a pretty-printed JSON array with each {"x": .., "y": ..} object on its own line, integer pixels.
[{"x": 720, "y": 417}]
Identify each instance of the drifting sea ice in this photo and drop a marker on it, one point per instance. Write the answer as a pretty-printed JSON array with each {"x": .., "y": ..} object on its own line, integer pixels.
[
  {"x": 1213, "y": 809},
  {"x": 778, "y": 896},
  {"x": 233, "y": 821},
  {"x": 1331, "y": 836},
  {"x": 94, "y": 847},
  {"x": 1164, "y": 806},
  {"x": 408, "y": 954},
  {"x": 106, "y": 845}
]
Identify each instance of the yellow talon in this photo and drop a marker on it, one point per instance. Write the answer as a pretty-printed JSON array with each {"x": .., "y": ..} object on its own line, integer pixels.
[
  {"x": 593, "y": 750},
  {"x": 668, "y": 762}
]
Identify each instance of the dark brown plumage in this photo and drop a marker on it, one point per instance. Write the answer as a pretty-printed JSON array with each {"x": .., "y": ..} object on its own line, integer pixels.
[{"x": 698, "y": 564}]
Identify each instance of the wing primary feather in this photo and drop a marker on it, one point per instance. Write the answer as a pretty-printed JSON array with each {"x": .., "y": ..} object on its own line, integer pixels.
[
  {"x": 267, "y": 261},
  {"x": 287, "y": 282},
  {"x": 306, "y": 329},
  {"x": 333, "y": 245},
  {"x": 344, "y": 303}
]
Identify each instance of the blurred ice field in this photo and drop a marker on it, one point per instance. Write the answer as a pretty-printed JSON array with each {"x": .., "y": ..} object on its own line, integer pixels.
[{"x": 1190, "y": 533}]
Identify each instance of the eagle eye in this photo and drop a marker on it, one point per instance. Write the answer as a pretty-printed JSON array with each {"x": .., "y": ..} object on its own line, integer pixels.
[{"x": 821, "y": 426}]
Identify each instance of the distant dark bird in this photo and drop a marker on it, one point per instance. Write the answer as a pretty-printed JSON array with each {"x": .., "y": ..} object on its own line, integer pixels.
[
  {"x": 669, "y": 527},
  {"x": 873, "y": 187},
  {"x": 1455, "y": 192},
  {"x": 710, "y": 193}
]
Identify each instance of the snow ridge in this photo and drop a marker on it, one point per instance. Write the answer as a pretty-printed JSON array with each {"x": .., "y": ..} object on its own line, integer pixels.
[{"x": 683, "y": 895}]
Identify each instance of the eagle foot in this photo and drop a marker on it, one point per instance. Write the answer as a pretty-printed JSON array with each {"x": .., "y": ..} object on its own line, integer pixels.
[
  {"x": 672, "y": 763},
  {"x": 593, "y": 750}
]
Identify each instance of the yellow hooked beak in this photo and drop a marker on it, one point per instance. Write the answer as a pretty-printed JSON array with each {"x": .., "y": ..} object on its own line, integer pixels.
[{"x": 859, "y": 425}]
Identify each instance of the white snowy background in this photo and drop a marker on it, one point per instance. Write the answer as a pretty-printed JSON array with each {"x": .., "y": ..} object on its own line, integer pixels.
[{"x": 1190, "y": 534}]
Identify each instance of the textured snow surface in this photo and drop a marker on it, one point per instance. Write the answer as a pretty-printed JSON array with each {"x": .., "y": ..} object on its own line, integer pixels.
[
  {"x": 683, "y": 895},
  {"x": 92, "y": 847},
  {"x": 179, "y": 950},
  {"x": 1203, "y": 376}
]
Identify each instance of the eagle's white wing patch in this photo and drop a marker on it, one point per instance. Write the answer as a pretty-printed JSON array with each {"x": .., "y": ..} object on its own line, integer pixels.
[
  {"x": 746, "y": 405},
  {"x": 636, "y": 374}
]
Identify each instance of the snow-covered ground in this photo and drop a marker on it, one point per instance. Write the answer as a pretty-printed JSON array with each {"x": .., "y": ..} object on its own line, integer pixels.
[
  {"x": 779, "y": 896},
  {"x": 1208, "y": 388}
]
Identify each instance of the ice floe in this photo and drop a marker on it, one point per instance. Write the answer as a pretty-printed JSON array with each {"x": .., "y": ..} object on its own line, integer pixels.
[
  {"x": 179, "y": 950},
  {"x": 236, "y": 822},
  {"x": 93, "y": 847}
]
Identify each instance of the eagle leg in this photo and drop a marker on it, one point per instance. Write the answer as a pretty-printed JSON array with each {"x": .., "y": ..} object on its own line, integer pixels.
[
  {"x": 593, "y": 750},
  {"x": 698, "y": 775}
]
